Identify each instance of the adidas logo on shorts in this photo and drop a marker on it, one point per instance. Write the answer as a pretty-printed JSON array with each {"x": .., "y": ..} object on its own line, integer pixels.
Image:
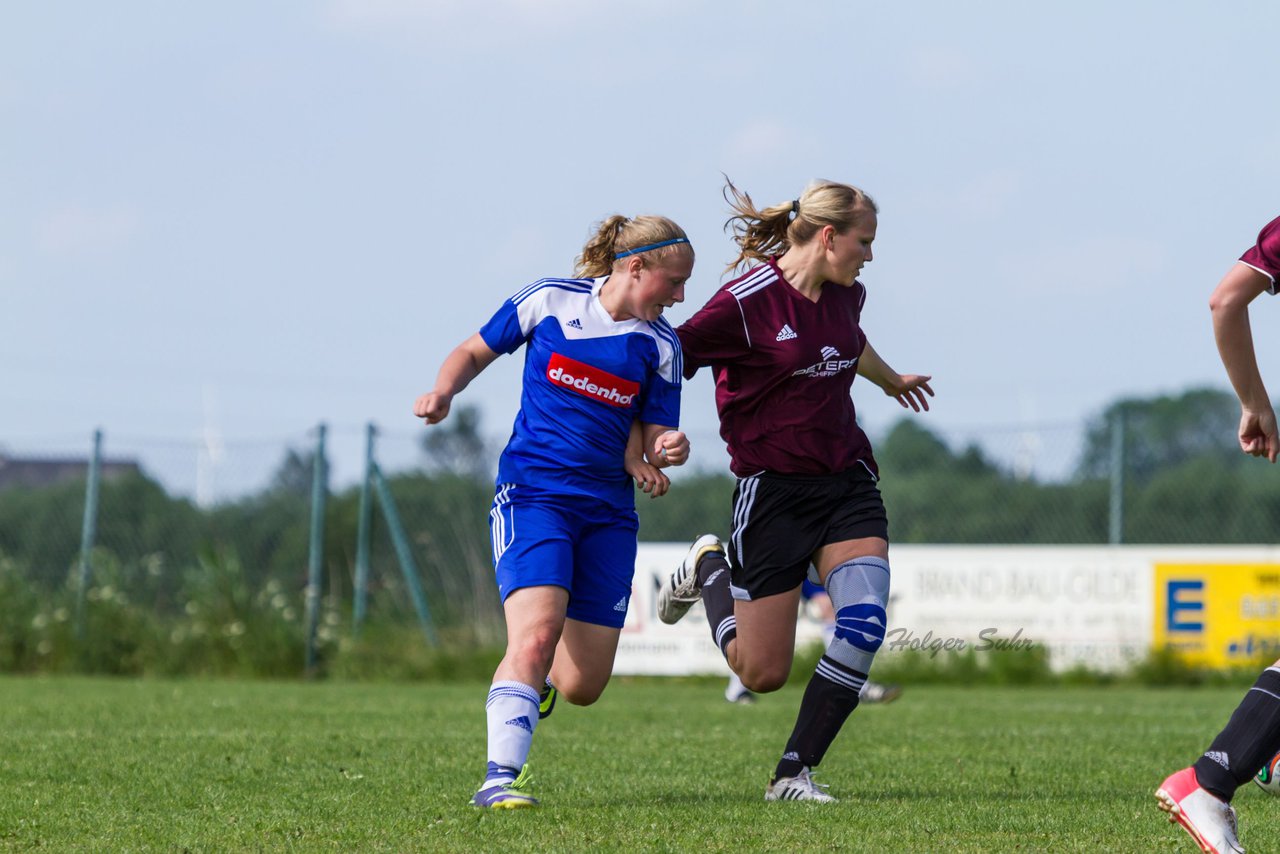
[
  {"x": 786, "y": 333},
  {"x": 622, "y": 605}
]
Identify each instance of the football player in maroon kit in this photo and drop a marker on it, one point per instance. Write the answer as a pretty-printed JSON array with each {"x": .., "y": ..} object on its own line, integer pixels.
[
  {"x": 784, "y": 342},
  {"x": 1199, "y": 797}
]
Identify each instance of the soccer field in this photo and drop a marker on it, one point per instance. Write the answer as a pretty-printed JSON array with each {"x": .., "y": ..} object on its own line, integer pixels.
[{"x": 668, "y": 765}]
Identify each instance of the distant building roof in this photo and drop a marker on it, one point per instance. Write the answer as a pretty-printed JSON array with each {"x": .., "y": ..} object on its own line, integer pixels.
[{"x": 35, "y": 472}]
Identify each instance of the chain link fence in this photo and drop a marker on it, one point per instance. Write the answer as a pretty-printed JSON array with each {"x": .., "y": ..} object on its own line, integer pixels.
[{"x": 199, "y": 553}]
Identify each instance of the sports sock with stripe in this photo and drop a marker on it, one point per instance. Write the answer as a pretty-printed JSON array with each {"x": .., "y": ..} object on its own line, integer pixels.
[
  {"x": 713, "y": 576},
  {"x": 829, "y": 698},
  {"x": 1251, "y": 737},
  {"x": 512, "y": 713}
]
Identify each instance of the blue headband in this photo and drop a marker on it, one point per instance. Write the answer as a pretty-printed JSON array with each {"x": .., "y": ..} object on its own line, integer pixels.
[{"x": 640, "y": 249}]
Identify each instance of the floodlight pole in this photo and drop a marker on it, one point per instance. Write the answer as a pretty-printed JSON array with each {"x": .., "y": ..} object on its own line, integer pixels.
[
  {"x": 362, "y": 535},
  {"x": 89, "y": 531},
  {"x": 1116, "y": 534},
  {"x": 319, "y": 488}
]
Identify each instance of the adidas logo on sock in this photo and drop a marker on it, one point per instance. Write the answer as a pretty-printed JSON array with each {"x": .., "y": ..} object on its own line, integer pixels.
[
  {"x": 622, "y": 605},
  {"x": 576, "y": 323},
  {"x": 786, "y": 333},
  {"x": 792, "y": 755},
  {"x": 522, "y": 722},
  {"x": 1220, "y": 757}
]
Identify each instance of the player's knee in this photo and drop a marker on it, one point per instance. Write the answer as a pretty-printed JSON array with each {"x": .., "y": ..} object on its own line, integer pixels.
[
  {"x": 858, "y": 591},
  {"x": 536, "y": 648},
  {"x": 766, "y": 678},
  {"x": 581, "y": 691}
]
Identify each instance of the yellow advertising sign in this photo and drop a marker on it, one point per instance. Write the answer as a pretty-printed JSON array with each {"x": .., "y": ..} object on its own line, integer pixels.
[{"x": 1218, "y": 615}]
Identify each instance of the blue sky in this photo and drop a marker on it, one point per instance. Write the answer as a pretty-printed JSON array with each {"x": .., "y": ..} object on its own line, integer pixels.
[{"x": 255, "y": 217}]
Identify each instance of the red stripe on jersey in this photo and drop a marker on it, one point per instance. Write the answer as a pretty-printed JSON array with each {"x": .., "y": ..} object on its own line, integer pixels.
[{"x": 590, "y": 381}]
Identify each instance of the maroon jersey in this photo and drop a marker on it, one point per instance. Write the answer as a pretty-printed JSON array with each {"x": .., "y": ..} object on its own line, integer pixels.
[
  {"x": 783, "y": 367},
  {"x": 1264, "y": 256}
]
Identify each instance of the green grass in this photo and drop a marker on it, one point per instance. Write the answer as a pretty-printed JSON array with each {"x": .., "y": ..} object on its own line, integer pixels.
[{"x": 100, "y": 765}]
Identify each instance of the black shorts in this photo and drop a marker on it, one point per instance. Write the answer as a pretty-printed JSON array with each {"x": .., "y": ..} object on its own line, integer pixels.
[{"x": 780, "y": 520}]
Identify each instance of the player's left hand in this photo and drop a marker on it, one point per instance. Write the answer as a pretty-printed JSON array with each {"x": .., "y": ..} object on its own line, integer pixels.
[
  {"x": 648, "y": 478},
  {"x": 910, "y": 391},
  {"x": 672, "y": 447}
]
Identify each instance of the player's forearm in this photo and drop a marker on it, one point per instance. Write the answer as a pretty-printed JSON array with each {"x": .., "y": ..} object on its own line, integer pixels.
[
  {"x": 635, "y": 443},
  {"x": 457, "y": 372},
  {"x": 874, "y": 368},
  {"x": 1234, "y": 337}
]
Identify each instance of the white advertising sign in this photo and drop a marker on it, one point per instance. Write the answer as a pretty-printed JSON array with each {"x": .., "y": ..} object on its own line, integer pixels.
[{"x": 1089, "y": 605}]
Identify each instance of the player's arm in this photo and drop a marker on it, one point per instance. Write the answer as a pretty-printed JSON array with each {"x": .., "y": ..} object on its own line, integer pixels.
[
  {"x": 646, "y": 475},
  {"x": 460, "y": 367},
  {"x": 716, "y": 334},
  {"x": 1230, "y": 306},
  {"x": 909, "y": 389}
]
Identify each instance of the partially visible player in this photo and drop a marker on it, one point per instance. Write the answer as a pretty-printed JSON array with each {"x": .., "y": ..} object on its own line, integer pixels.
[
  {"x": 1199, "y": 797},
  {"x": 784, "y": 341},
  {"x": 599, "y": 357},
  {"x": 813, "y": 595}
]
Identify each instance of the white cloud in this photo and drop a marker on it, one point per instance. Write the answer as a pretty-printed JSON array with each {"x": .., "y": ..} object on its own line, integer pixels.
[
  {"x": 762, "y": 142},
  {"x": 1080, "y": 265},
  {"x": 451, "y": 19},
  {"x": 941, "y": 68},
  {"x": 78, "y": 229}
]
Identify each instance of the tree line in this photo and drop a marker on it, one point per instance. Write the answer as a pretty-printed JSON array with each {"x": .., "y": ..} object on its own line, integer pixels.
[{"x": 1184, "y": 481}]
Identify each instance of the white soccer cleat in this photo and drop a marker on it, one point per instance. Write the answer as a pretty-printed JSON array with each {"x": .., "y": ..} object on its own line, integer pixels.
[
  {"x": 681, "y": 590},
  {"x": 879, "y": 692},
  {"x": 736, "y": 692},
  {"x": 1211, "y": 822},
  {"x": 801, "y": 787}
]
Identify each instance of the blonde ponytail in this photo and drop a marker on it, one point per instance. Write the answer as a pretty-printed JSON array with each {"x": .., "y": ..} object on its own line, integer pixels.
[
  {"x": 618, "y": 235},
  {"x": 761, "y": 233}
]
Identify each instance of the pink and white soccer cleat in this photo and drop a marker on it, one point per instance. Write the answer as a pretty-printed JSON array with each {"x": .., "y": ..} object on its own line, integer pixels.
[{"x": 1211, "y": 822}]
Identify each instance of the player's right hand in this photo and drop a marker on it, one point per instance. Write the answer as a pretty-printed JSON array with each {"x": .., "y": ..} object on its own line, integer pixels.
[
  {"x": 1258, "y": 436},
  {"x": 432, "y": 407}
]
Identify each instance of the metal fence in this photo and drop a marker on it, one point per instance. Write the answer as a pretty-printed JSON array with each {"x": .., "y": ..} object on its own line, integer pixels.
[{"x": 318, "y": 533}]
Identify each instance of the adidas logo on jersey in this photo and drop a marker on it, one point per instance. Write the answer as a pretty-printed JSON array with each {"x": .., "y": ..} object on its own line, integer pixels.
[
  {"x": 830, "y": 352},
  {"x": 622, "y": 605},
  {"x": 522, "y": 722},
  {"x": 786, "y": 333},
  {"x": 575, "y": 323}
]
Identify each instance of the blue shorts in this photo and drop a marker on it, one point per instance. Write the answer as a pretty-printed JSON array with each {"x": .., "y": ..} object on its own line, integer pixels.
[
  {"x": 575, "y": 542},
  {"x": 808, "y": 590}
]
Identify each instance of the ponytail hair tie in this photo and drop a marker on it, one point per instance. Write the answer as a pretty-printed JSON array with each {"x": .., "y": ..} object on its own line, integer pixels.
[{"x": 795, "y": 208}]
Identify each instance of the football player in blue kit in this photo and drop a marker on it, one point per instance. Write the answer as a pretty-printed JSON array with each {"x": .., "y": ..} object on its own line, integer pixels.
[{"x": 599, "y": 358}]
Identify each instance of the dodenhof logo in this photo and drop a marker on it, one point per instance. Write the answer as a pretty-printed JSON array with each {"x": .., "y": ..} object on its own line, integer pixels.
[{"x": 590, "y": 381}]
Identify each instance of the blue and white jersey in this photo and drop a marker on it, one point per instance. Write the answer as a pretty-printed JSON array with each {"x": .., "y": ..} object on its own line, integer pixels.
[{"x": 586, "y": 378}]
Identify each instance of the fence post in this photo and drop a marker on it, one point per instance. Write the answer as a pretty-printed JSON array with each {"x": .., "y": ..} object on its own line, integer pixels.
[
  {"x": 89, "y": 530},
  {"x": 404, "y": 553},
  {"x": 1117, "y": 477},
  {"x": 362, "y": 536},
  {"x": 319, "y": 489}
]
